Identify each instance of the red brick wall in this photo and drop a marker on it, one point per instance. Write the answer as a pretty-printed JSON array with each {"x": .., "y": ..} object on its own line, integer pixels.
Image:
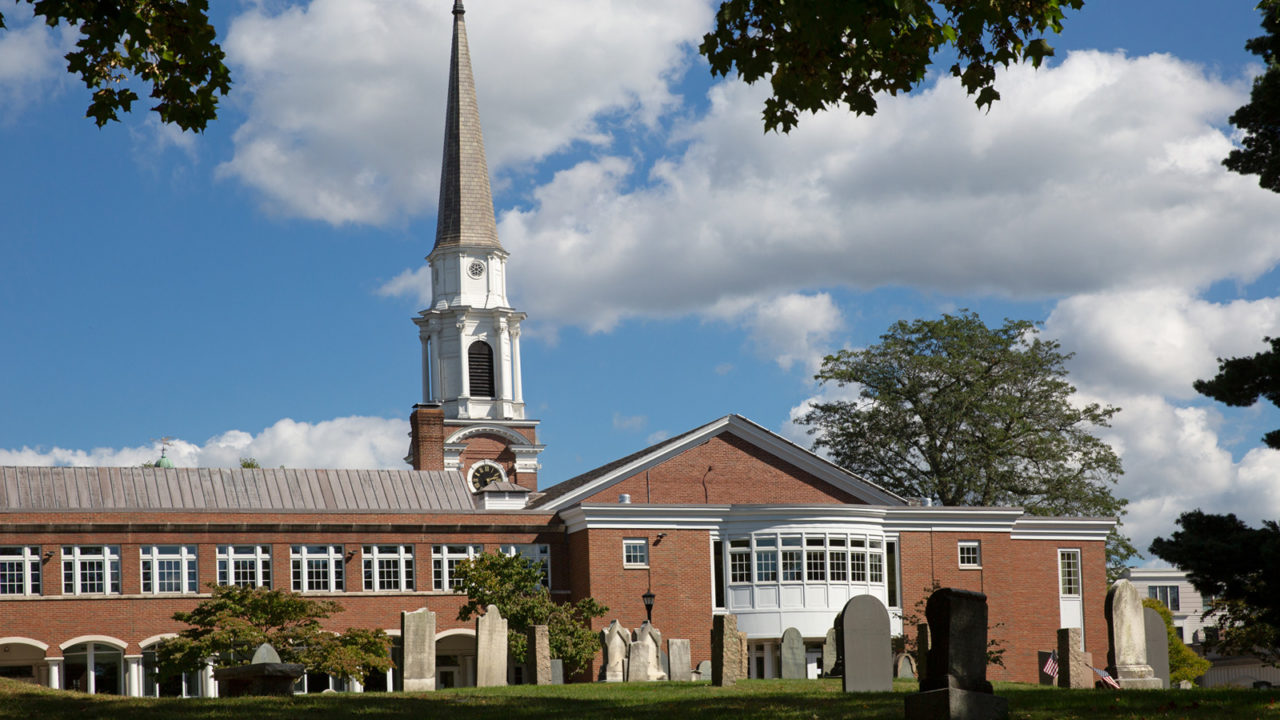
[
  {"x": 725, "y": 469},
  {"x": 427, "y": 426},
  {"x": 1020, "y": 579}
]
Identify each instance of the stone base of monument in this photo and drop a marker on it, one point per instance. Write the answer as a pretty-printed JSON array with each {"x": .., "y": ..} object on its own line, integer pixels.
[
  {"x": 258, "y": 679},
  {"x": 955, "y": 704},
  {"x": 1137, "y": 677}
]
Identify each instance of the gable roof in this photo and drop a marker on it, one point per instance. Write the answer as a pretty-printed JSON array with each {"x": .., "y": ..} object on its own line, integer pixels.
[
  {"x": 577, "y": 489},
  {"x": 124, "y": 489}
]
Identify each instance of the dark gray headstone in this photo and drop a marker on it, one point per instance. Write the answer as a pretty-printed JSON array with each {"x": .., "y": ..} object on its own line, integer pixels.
[
  {"x": 704, "y": 670},
  {"x": 904, "y": 667},
  {"x": 954, "y": 686},
  {"x": 1042, "y": 658},
  {"x": 792, "y": 652},
  {"x": 830, "y": 653},
  {"x": 1157, "y": 644},
  {"x": 868, "y": 649},
  {"x": 557, "y": 671}
]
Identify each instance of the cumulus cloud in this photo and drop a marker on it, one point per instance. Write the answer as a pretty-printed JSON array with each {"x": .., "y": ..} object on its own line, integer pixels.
[
  {"x": 787, "y": 329},
  {"x": 346, "y": 97},
  {"x": 349, "y": 442},
  {"x": 31, "y": 64}
]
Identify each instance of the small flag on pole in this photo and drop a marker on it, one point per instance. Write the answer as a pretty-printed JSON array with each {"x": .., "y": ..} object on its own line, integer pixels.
[
  {"x": 1106, "y": 678},
  {"x": 1051, "y": 665}
]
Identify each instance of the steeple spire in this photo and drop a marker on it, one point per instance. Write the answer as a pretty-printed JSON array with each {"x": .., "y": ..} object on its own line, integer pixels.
[{"x": 465, "y": 214}]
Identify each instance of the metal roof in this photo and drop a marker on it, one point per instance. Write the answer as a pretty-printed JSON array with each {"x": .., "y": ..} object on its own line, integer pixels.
[{"x": 97, "y": 489}]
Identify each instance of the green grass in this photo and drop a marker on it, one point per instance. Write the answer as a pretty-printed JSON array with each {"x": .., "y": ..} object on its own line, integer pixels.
[{"x": 659, "y": 701}]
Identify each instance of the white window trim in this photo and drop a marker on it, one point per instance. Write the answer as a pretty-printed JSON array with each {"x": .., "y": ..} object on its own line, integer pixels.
[
  {"x": 110, "y": 559},
  {"x": 333, "y": 555},
  {"x": 261, "y": 555},
  {"x": 441, "y": 578},
  {"x": 643, "y": 544},
  {"x": 186, "y": 557},
  {"x": 1079, "y": 580},
  {"x": 30, "y": 561},
  {"x": 372, "y": 555},
  {"x": 537, "y": 553},
  {"x": 976, "y": 546}
]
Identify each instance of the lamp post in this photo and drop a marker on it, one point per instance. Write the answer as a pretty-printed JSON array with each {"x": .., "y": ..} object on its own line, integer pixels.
[{"x": 647, "y": 597}]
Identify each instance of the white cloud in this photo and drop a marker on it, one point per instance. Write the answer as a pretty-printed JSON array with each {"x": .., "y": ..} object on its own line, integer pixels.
[
  {"x": 31, "y": 62},
  {"x": 630, "y": 423},
  {"x": 788, "y": 328},
  {"x": 657, "y": 436},
  {"x": 346, "y": 97},
  {"x": 349, "y": 442}
]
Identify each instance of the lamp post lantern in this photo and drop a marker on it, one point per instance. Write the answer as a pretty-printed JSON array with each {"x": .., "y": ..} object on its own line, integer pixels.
[{"x": 647, "y": 597}]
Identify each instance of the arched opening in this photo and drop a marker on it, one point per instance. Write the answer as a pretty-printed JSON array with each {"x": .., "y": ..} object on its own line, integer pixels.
[
  {"x": 154, "y": 684},
  {"x": 456, "y": 659},
  {"x": 94, "y": 668},
  {"x": 23, "y": 660},
  {"x": 480, "y": 369}
]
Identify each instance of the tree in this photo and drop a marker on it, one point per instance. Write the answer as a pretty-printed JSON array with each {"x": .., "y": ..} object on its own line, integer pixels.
[
  {"x": 819, "y": 53},
  {"x": 249, "y": 463},
  {"x": 1184, "y": 664},
  {"x": 1241, "y": 381},
  {"x": 1259, "y": 153},
  {"x": 953, "y": 410},
  {"x": 514, "y": 585},
  {"x": 166, "y": 43},
  {"x": 230, "y": 625},
  {"x": 1239, "y": 567}
]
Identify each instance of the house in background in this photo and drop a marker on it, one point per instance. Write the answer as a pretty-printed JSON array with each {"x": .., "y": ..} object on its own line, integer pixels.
[{"x": 725, "y": 518}]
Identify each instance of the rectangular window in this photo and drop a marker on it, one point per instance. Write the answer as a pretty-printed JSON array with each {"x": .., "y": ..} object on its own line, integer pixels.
[
  {"x": 891, "y": 553},
  {"x": 168, "y": 569},
  {"x": 1167, "y": 594},
  {"x": 635, "y": 552},
  {"x": 858, "y": 560},
  {"x": 539, "y": 555},
  {"x": 877, "y": 567},
  {"x": 767, "y": 559},
  {"x": 838, "y": 556},
  {"x": 1069, "y": 572},
  {"x": 388, "y": 567},
  {"x": 718, "y": 570},
  {"x": 792, "y": 560},
  {"x": 317, "y": 568},
  {"x": 815, "y": 559},
  {"x": 20, "y": 570},
  {"x": 90, "y": 569},
  {"x": 445, "y": 558},
  {"x": 740, "y": 560},
  {"x": 970, "y": 554},
  {"x": 244, "y": 565}
]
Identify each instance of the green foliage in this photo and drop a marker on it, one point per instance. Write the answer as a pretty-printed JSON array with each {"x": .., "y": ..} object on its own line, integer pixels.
[
  {"x": 1241, "y": 381},
  {"x": 1184, "y": 664},
  {"x": 953, "y": 410},
  {"x": 227, "y": 627},
  {"x": 910, "y": 641},
  {"x": 166, "y": 43},
  {"x": 248, "y": 462},
  {"x": 1239, "y": 567},
  {"x": 1259, "y": 153},
  {"x": 818, "y": 53},
  {"x": 514, "y": 585}
]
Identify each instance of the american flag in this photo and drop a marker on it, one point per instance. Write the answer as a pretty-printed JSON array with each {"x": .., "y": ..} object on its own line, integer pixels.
[
  {"x": 1051, "y": 665},
  {"x": 1106, "y": 678}
]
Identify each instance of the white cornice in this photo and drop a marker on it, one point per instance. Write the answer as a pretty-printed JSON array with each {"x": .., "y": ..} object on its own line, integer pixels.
[{"x": 1085, "y": 529}]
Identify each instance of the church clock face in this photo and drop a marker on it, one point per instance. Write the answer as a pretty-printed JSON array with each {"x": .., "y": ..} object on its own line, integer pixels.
[
  {"x": 482, "y": 475},
  {"x": 475, "y": 269}
]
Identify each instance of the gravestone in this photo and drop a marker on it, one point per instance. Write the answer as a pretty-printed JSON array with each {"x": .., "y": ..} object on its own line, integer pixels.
[
  {"x": 922, "y": 649},
  {"x": 744, "y": 657},
  {"x": 956, "y": 686},
  {"x": 418, "y": 633},
  {"x": 904, "y": 666},
  {"x": 557, "y": 671},
  {"x": 793, "y": 663},
  {"x": 614, "y": 641},
  {"x": 647, "y": 629},
  {"x": 264, "y": 675},
  {"x": 829, "y": 653},
  {"x": 868, "y": 649},
  {"x": 491, "y": 648},
  {"x": 678, "y": 653},
  {"x": 704, "y": 670},
  {"x": 1157, "y": 644},
  {"x": 726, "y": 647},
  {"x": 1126, "y": 630},
  {"x": 1045, "y": 678},
  {"x": 538, "y": 646},
  {"x": 1075, "y": 666},
  {"x": 642, "y": 660}
]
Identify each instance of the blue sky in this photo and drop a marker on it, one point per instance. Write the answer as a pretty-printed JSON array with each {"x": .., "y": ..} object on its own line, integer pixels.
[{"x": 249, "y": 290}]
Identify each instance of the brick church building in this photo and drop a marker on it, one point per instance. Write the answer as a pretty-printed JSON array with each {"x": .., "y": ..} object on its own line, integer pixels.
[{"x": 725, "y": 518}]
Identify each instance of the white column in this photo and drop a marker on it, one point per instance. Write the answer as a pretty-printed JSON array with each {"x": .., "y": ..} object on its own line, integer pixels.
[
  {"x": 133, "y": 675},
  {"x": 518, "y": 395},
  {"x": 208, "y": 686},
  {"x": 464, "y": 371},
  {"x": 502, "y": 366},
  {"x": 427, "y": 386},
  {"x": 55, "y": 672},
  {"x": 437, "y": 389},
  {"x": 354, "y": 685}
]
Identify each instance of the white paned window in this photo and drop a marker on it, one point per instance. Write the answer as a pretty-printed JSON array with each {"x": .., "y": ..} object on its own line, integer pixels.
[
  {"x": 635, "y": 552},
  {"x": 244, "y": 565},
  {"x": 20, "y": 570},
  {"x": 538, "y": 554},
  {"x": 168, "y": 569},
  {"x": 1069, "y": 572},
  {"x": 838, "y": 555},
  {"x": 858, "y": 560},
  {"x": 388, "y": 567},
  {"x": 792, "y": 560},
  {"x": 317, "y": 568},
  {"x": 970, "y": 554},
  {"x": 815, "y": 559},
  {"x": 90, "y": 569},
  {"x": 766, "y": 559},
  {"x": 444, "y": 558},
  {"x": 876, "y": 559},
  {"x": 740, "y": 560},
  {"x": 1167, "y": 594}
]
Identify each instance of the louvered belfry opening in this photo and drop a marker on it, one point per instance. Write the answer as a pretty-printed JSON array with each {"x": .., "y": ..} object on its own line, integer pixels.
[{"x": 480, "y": 369}]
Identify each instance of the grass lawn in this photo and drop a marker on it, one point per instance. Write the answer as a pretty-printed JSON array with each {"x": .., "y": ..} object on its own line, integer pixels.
[{"x": 659, "y": 701}]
